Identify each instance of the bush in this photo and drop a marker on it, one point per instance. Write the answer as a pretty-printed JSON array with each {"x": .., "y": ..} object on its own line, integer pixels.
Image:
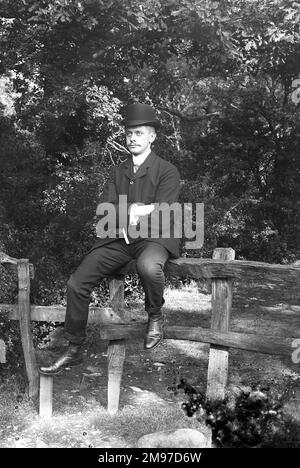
[{"x": 246, "y": 418}]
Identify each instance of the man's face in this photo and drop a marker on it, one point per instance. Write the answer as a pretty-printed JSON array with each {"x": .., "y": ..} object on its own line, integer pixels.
[{"x": 139, "y": 139}]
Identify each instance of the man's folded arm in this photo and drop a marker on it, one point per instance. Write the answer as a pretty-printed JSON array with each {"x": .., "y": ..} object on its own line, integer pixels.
[{"x": 165, "y": 213}]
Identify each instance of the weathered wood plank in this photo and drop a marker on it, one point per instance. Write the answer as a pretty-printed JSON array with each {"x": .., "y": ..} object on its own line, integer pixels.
[
  {"x": 116, "y": 293},
  {"x": 12, "y": 264},
  {"x": 6, "y": 259},
  {"x": 99, "y": 315},
  {"x": 217, "y": 372},
  {"x": 25, "y": 327},
  {"x": 46, "y": 396},
  {"x": 208, "y": 268},
  {"x": 2, "y": 352},
  {"x": 115, "y": 358},
  {"x": 240, "y": 269},
  {"x": 116, "y": 349},
  {"x": 281, "y": 346},
  {"x": 56, "y": 313}
]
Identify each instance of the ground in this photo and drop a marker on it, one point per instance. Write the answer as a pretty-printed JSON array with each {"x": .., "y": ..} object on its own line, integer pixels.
[{"x": 149, "y": 401}]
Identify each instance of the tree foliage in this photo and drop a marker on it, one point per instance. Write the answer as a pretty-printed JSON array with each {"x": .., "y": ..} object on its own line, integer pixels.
[{"x": 220, "y": 74}]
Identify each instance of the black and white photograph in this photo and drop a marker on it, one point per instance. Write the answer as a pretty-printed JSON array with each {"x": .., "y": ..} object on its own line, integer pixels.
[{"x": 150, "y": 228}]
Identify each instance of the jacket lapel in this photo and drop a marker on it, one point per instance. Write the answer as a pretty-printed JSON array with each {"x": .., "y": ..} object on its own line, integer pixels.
[
  {"x": 128, "y": 168},
  {"x": 143, "y": 169}
]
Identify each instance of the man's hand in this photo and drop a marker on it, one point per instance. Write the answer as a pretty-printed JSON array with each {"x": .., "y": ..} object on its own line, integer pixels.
[{"x": 135, "y": 211}]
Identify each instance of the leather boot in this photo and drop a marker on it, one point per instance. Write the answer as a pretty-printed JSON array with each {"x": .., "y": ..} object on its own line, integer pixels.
[
  {"x": 72, "y": 356},
  {"x": 154, "y": 333}
]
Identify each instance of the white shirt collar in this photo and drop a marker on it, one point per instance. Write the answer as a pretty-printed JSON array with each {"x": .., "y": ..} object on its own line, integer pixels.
[{"x": 138, "y": 160}]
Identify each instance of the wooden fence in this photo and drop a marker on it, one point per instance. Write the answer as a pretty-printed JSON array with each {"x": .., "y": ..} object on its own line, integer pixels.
[{"x": 222, "y": 270}]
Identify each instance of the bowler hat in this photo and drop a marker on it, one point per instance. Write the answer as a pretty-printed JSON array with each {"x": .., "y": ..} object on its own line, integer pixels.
[{"x": 140, "y": 114}]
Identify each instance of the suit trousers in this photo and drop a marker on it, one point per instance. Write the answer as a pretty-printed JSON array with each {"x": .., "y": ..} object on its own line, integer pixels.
[{"x": 105, "y": 261}]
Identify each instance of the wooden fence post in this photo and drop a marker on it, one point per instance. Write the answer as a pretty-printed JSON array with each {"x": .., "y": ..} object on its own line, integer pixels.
[
  {"x": 116, "y": 349},
  {"x": 2, "y": 352},
  {"x": 217, "y": 373},
  {"x": 25, "y": 327},
  {"x": 46, "y": 396}
]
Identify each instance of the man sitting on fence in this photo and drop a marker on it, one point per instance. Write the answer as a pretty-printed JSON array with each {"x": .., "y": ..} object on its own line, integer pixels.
[{"x": 134, "y": 187}]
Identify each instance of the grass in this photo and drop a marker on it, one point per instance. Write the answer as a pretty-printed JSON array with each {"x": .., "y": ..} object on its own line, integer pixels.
[
  {"x": 132, "y": 424},
  {"x": 13, "y": 405},
  {"x": 99, "y": 429}
]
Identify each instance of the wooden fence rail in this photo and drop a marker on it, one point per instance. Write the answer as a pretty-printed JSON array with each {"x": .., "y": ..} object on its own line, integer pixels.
[
  {"x": 222, "y": 270},
  {"x": 2, "y": 352}
]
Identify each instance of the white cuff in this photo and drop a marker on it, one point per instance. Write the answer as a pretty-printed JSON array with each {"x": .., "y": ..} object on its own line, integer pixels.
[{"x": 135, "y": 211}]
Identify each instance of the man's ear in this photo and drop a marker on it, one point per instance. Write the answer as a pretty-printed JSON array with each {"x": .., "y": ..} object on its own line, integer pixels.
[{"x": 152, "y": 134}]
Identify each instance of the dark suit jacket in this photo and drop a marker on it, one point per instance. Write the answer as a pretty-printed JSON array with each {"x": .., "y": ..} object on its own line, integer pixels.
[{"x": 156, "y": 181}]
